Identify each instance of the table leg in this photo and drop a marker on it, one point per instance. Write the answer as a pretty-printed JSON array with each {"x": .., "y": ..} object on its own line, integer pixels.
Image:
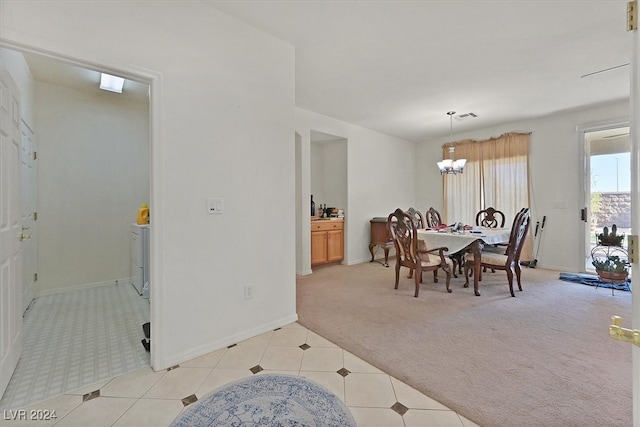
[{"x": 476, "y": 249}]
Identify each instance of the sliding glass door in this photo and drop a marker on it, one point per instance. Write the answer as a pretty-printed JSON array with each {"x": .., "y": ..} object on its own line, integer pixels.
[{"x": 608, "y": 186}]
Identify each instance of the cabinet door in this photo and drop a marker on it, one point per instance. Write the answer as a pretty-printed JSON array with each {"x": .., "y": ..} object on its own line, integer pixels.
[
  {"x": 335, "y": 245},
  {"x": 318, "y": 247}
]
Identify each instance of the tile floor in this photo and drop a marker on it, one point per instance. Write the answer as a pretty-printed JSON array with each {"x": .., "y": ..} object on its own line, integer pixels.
[
  {"x": 147, "y": 398},
  {"x": 76, "y": 338}
]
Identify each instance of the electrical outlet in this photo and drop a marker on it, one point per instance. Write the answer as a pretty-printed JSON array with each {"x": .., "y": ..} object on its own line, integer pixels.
[
  {"x": 248, "y": 291},
  {"x": 215, "y": 206}
]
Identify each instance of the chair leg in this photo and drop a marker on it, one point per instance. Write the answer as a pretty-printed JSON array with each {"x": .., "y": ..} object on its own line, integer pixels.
[
  {"x": 447, "y": 271},
  {"x": 397, "y": 275},
  {"x": 510, "y": 278},
  {"x": 410, "y": 273},
  {"x": 518, "y": 272},
  {"x": 418, "y": 279},
  {"x": 435, "y": 276},
  {"x": 456, "y": 266},
  {"x": 466, "y": 274}
]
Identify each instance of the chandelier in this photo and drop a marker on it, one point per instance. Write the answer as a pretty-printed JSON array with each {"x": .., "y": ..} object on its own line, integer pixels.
[{"x": 451, "y": 166}]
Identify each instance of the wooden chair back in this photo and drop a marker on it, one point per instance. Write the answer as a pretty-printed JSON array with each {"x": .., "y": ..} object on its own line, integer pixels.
[
  {"x": 490, "y": 217},
  {"x": 416, "y": 217},
  {"x": 519, "y": 231},
  {"x": 404, "y": 234},
  {"x": 433, "y": 218}
]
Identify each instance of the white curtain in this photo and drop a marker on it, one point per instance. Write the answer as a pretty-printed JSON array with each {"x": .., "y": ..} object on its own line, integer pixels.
[{"x": 496, "y": 175}]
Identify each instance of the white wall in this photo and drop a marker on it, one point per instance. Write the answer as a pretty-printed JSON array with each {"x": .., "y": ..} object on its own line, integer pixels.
[
  {"x": 217, "y": 131},
  {"x": 93, "y": 169},
  {"x": 380, "y": 179},
  {"x": 556, "y": 168}
]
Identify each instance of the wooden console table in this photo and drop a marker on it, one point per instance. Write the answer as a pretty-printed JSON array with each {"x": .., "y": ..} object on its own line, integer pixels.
[{"x": 380, "y": 237}]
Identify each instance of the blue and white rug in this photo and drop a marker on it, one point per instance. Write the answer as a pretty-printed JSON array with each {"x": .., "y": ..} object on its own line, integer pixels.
[
  {"x": 272, "y": 400},
  {"x": 593, "y": 280}
]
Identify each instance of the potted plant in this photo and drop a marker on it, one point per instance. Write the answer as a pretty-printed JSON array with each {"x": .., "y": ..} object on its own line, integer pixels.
[
  {"x": 610, "y": 239},
  {"x": 612, "y": 268}
]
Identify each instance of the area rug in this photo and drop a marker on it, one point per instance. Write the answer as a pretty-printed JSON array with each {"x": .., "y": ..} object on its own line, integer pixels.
[
  {"x": 268, "y": 400},
  {"x": 593, "y": 280}
]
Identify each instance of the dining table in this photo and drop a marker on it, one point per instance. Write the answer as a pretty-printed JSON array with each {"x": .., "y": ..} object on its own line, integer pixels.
[{"x": 472, "y": 240}]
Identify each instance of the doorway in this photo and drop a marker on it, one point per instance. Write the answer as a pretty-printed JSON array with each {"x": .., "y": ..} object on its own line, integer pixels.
[
  {"x": 607, "y": 188},
  {"x": 109, "y": 221}
]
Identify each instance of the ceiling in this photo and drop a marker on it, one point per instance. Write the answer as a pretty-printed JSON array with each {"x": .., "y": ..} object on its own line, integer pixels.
[
  {"x": 61, "y": 73},
  {"x": 398, "y": 66}
]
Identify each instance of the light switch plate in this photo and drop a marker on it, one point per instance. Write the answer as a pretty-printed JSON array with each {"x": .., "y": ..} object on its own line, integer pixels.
[{"x": 215, "y": 205}]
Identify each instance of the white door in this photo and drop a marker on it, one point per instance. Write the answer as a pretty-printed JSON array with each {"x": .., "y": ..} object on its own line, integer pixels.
[
  {"x": 28, "y": 215},
  {"x": 10, "y": 229}
]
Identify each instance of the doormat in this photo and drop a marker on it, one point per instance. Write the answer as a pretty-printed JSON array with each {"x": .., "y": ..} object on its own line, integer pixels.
[{"x": 593, "y": 280}]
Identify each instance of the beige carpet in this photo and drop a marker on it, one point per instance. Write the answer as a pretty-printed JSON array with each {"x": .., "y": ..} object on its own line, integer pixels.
[{"x": 543, "y": 358}]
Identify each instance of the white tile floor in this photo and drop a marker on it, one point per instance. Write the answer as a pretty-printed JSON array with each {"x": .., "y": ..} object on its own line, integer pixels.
[
  {"x": 147, "y": 398},
  {"x": 77, "y": 338}
]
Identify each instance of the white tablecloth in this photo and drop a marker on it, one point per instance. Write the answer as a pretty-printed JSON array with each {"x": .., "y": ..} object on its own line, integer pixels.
[{"x": 456, "y": 242}]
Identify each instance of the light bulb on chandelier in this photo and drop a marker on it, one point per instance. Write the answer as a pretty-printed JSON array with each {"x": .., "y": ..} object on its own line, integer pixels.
[{"x": 451, "y": 166}]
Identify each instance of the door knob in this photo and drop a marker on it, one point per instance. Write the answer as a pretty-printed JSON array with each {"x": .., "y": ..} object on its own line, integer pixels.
[{"x": 617, "y": 332}]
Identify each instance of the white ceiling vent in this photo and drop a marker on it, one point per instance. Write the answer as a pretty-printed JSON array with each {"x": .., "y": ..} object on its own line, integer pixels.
[{"x": 466, "y": 116}]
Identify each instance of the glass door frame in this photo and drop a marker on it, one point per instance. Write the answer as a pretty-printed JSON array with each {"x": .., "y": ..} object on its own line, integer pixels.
[{"x": 585, "y": 199}]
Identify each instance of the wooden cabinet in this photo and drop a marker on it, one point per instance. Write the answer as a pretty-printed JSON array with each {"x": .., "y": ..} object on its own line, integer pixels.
[
  {"x": 327, "y": 241},
  {"x": 380, "y": 237}
]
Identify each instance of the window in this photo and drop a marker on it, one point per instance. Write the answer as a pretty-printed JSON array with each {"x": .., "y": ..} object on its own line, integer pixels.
[{"x": 496, "y": 175}]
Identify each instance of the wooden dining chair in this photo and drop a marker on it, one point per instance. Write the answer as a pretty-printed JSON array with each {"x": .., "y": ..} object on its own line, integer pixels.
[
  {"x": 510, "y": 260},
  {"x": 405, "y": 238},
  {"x": 433, "y": 218},
  {"x": 490, "y": 218},
  {"x": 418, "y": 220},
  {"x": 416, "y": 217}
]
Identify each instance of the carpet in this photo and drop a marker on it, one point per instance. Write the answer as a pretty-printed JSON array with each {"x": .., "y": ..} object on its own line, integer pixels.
[
  {"x": 268, "y": 400},
  {"x": 593, "y": 280},
  {"x": 543, "y": 358}
]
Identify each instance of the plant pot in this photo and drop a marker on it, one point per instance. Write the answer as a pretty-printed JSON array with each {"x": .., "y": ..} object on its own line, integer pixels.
[
  {"x": 610, "y": 240},
  {"x": 612, "y": 276}
]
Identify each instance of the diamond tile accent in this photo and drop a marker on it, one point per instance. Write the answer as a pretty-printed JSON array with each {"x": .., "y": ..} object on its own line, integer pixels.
[
  {"x": 344, "y": 372},
  {"x": 277, "y": 329},
  {"x": 128, "y": 404},
  {"x": 91, "y": 395},
  {"x": 232, "y": 345},
  {"x": 400, "y": 408},
  {"x": 189, "y": 400},
  {"x": 171, "y": 368}
]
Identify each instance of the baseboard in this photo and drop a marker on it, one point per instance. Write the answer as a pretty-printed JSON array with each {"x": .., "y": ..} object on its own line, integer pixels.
[
  {"x": 225, "y": 342},
  {"x": 46, "y": 292}
]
